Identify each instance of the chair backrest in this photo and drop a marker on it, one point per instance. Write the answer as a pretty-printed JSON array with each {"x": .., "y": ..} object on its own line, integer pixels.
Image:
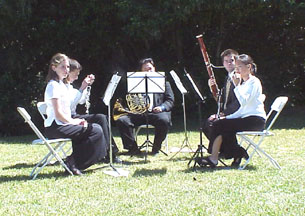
[
  {"x": 27, "y": 119},
  {"x": 277, "y": 107},
  {"x": 42, "y": 108}
]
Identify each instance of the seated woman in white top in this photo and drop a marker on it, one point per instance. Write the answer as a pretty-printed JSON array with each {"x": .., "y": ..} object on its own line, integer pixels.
[
  {"x": 88, "y": 142},
  {"x": 251, "y": 115}
]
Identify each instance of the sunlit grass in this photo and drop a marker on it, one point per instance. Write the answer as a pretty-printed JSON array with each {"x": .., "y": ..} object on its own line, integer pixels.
[{"x": 162, "y": 186}]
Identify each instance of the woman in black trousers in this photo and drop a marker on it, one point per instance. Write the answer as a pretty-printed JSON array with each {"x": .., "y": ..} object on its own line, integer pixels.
[
  {"x": 250, "y": 116},
  {"x": 88, "y": 141}
]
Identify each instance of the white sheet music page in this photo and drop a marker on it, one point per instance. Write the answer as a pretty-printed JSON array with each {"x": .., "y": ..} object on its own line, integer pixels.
[
  {"x": 111, "y": 88},
  {"x": 136, "y": 82},
  {"x": 178, "y": 82}
]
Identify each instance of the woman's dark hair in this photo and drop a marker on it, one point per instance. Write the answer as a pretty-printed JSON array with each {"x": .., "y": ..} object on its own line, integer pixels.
[
  {"x": 246, "y": 59},
  {"x": 55, "y": 61},
  {"x": 144, "y": 61},
  {"x": 75, "y": 65}
]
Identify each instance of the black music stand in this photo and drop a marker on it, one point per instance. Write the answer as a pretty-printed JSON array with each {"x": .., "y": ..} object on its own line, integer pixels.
[
  {"x": 200, "y": 101},
  {"x": 198, "y": 152},
  {"x": 106, "y": 99},
  {"x": 185, "y": 142},
  {"x": 146, "y": 82}
]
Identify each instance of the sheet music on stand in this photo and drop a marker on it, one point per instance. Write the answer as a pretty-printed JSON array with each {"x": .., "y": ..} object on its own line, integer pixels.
[
  {"x": 112, "y": 85},
  {"x": 136, "y": 82},
  {"x": 178, "y": 82},
  {"x": 194, "y": 85},
  {"x": 115, "y": 79}
]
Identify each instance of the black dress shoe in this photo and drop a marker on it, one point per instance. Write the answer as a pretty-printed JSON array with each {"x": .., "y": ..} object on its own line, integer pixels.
[
  {"x": 73, "y": 169},
  {"x": 205, "y": 161},
  {"x": 135, "y": 151},
  {"x": 236, "y": 162},
  {"x": 115, "y": 159}
]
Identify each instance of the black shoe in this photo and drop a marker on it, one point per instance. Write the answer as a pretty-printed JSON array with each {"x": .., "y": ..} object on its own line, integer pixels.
[
  {"x": 115, "y": 159},
  {"x": 205, "y": 161},
  {"x": 236, "y": 162},
  {"x": 72, "y": 168},
  {"x": 134, "y": 151}
]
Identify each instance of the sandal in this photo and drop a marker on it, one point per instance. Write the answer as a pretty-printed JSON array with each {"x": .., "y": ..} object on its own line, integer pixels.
[{"x": 205, "y": 161}]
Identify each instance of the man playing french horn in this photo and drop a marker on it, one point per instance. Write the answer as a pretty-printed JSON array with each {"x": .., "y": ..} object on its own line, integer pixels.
[{"x": 159, "y": 115}]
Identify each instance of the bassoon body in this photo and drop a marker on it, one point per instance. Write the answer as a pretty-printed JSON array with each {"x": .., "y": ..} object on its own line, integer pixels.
[{"x": 214, "y": 87}]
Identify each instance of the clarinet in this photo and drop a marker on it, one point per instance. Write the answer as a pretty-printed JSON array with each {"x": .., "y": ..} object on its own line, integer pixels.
[{"x": 87, "y": 103}]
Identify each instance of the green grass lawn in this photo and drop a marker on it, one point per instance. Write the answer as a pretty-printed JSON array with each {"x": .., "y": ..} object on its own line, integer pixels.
[{"x": 162, "y": 186}]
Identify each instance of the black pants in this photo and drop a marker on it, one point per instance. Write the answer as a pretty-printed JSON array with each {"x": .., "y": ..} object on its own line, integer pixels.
[
  {"x": 127, "y": 123},
  {"x": 228, "y": 129},
  {"x": 102, "y": 120},
  {"x": 229, "y": 148},
  {"x": 89, "y": 145}
]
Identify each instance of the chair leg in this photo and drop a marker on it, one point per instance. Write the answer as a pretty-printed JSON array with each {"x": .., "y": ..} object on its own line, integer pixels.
[
  {"x": 258, "y": 150},
  {"x": 53, "y": 153}
]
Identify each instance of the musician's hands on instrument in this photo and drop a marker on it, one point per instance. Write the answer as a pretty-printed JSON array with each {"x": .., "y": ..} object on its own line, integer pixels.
[
  {"x": 211, "y": 82},
  {"x": 214, "y": 116},
  {"x": 157, "y": 109},
  {"x": 87, "y": 81},
  {"x": 236, "y": 78},
  {"x": 92, "y": 78}
]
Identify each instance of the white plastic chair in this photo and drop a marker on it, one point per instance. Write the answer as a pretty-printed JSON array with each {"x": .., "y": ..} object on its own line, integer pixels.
[
  {"x": 137, "y": 130},
  {"x": 53, "y": 151},
  {"x": 255, "y": 138}
]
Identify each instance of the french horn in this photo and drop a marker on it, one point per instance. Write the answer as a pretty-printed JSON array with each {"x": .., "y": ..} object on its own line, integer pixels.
[{"x": 137, "y": 104}]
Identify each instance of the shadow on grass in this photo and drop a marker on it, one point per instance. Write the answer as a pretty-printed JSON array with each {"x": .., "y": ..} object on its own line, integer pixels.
[
  {"x": 197, "y": 168},
  {"x": 176, "y": 158},
  {"x": 19, "y": 166},
  {"x": 150, "y": 172},
  {"x": 40, "y": 176}
]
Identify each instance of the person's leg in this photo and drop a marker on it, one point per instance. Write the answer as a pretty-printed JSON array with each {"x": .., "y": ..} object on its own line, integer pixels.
[
  {"x": 161, "y": 123},
  {"x": 231, "y": 126},
  {"x": 88, "y": 144},
  {"x": 102, "y": 120},
  {"x": 126, "y": 125}
]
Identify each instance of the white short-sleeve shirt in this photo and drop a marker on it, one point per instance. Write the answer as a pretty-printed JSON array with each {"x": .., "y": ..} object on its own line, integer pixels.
[{"x": 56, "y": 89}]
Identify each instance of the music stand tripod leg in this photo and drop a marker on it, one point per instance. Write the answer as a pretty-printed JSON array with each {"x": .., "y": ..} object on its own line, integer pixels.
[{"x": 185, "y": 142}]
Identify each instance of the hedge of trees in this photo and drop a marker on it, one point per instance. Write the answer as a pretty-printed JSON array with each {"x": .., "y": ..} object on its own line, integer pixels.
[{"x": 109, "y": 36}]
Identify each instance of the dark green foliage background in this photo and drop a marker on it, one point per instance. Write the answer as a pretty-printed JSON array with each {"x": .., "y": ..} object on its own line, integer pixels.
[{"x": 109, "y": 36}]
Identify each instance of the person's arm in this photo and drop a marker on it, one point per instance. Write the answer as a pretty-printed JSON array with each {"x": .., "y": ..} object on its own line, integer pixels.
[
  {"x": 59, "y": 115},
  {"x": 84, "y": 90},
  {"x": 212, "y": 82},
  {"x": 168, "y": 102}
]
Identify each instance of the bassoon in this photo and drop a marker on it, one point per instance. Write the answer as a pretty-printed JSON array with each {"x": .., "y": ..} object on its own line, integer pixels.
[{"x": 214, "y": 87}]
